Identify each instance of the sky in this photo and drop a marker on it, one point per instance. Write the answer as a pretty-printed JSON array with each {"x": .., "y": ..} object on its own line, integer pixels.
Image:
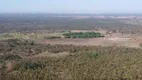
[{"x": 70, "y": 6}]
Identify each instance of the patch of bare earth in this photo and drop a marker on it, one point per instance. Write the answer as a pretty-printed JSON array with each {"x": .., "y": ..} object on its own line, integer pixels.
[
  {"x": 106, "y": 41},
  {"x": 118, "y": 39}
]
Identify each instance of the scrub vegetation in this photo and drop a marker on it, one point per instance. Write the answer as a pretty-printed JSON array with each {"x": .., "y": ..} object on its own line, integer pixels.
[{"x": 28, "y": 50}]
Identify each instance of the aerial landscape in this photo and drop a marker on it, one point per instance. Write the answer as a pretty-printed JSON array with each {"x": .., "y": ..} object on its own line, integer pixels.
[{"x": 70, "y": 45}]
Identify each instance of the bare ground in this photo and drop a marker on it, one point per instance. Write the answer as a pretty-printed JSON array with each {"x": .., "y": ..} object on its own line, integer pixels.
[{"x": 117, "y": 39}]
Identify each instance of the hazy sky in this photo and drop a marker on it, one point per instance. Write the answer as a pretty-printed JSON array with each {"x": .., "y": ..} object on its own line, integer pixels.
[{"x": 71, "y": 6}]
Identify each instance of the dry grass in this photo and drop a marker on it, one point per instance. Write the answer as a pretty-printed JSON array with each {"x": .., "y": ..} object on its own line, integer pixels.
[
  {"x": 49, "y": 54},
  {"x": 32, "y": 36},
  {"x": 98, "y": 41}
]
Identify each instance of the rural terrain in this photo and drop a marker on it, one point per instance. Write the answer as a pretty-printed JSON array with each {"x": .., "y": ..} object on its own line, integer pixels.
[{"x": 70, "y": 47}]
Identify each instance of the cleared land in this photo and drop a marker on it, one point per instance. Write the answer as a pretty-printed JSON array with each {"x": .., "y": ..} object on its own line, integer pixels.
[{"x": 115, "y": 39}]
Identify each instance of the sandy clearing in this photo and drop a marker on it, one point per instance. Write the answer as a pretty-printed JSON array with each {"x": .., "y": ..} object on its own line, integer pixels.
[
  {"x": 118, "y": 39},
  {"x": 107, "y": 41}
]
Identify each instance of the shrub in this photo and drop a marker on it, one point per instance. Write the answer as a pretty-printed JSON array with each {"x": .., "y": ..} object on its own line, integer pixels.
[
  {"x": 91, "y": 54},
  {"x": 140, "y": 45},
  {"x": 28, "y": 65},
  {"x": 52, "y": 37},
  {"x": 9, "y": 57}
]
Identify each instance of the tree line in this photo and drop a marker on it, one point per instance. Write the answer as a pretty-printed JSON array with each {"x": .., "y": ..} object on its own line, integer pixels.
[{"x": 82, "y": 35}]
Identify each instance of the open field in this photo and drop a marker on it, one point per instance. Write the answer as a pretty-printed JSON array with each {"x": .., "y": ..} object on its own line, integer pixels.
[
  {"x": 127, "y": 42},
  {"x": 116, "y": 39}
]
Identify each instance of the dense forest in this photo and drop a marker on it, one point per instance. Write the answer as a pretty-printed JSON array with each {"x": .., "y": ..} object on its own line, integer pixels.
[{"x": 83, "y": 35}]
